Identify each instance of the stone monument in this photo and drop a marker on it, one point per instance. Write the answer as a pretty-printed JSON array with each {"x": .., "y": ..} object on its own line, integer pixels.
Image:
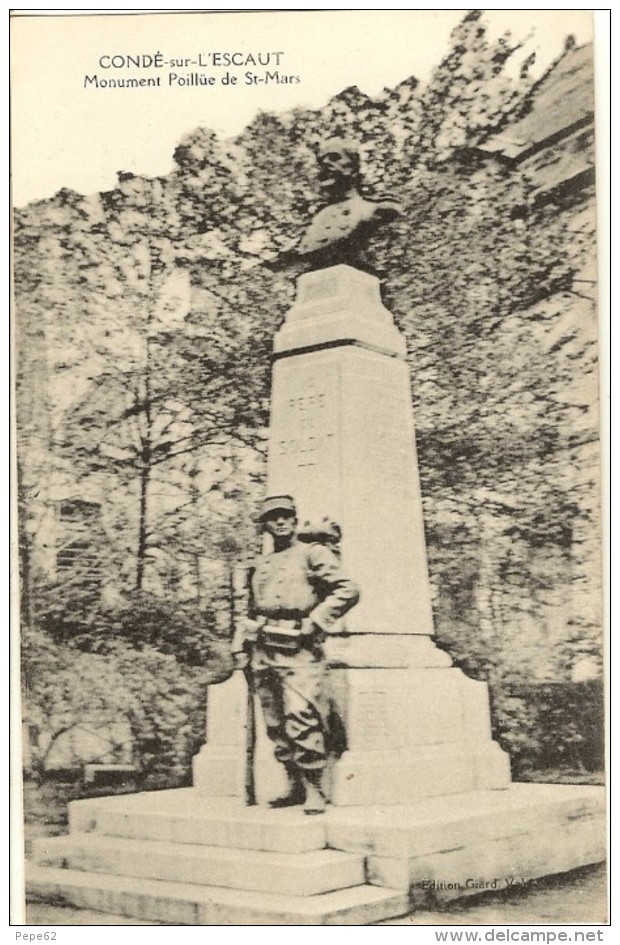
[
  {"x": 342, "y": 442},
  {"x": 422, "y": 805}
]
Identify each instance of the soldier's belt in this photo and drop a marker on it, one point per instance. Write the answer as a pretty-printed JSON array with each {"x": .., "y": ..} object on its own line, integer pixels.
[{"x": 282, "y": 635}]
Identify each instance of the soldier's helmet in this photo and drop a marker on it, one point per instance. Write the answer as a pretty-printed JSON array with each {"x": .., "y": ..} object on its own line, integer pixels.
[{"x": 276, "y": 503}]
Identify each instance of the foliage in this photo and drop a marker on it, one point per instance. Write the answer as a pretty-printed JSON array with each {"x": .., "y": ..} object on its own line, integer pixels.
[
  {"x": 157, "y": 698},
  {"x": 551, "y": 725},
  {"x": 469, "y": 95},
  {"x": 138, "y": 619}
]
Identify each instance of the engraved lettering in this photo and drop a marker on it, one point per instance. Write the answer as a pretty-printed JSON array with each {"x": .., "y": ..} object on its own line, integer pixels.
[{"x": 372, "y": 716}]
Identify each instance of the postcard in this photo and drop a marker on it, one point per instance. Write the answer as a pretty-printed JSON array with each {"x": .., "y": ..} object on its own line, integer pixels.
[{"x": 307, "y": 467}]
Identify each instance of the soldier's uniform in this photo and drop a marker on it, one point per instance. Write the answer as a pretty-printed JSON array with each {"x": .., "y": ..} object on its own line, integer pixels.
[{"x": 300, "y": 585}]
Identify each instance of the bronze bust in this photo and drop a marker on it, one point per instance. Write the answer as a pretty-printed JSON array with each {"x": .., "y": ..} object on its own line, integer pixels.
[{"x": 339, "y": 233}]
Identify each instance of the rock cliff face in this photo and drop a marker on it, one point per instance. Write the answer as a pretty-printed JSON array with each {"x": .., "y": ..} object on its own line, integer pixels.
[{"x": 145, "y": 319}]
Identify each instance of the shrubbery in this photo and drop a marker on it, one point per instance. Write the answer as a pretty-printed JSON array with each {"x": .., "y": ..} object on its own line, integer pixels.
[
  {"x": 551, "y": 725},
  {"x": 139, "y": 619},
  {"x": 113, "y": 677}
]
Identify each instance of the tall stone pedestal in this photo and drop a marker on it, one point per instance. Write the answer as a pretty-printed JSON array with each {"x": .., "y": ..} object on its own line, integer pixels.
[{"x": 342, "y": 443}]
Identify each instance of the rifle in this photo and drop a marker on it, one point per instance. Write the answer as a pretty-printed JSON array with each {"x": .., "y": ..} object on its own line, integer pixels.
[{"x": 250, "y": 728}]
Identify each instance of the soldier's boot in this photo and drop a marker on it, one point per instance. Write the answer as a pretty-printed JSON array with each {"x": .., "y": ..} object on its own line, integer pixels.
[
  {"x": 315, "y": 802},
  {"x": 295, "y": 794}
]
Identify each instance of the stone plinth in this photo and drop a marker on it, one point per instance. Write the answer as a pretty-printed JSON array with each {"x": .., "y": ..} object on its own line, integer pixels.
[
  {"x": 179, "y": 857},
  {"x": 342, "y": 442},
  {"x": 219, "y": 768},
  {"x": 411, "y": 733}
]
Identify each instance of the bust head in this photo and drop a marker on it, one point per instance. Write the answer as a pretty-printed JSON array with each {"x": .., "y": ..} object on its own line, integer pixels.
[
  {"x": 340, "y": 233},
  {"x": 339, "y": 168}
]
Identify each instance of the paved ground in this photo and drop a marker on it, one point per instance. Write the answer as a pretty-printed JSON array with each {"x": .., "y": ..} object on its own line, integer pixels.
[
  {"x": 580, "y": 896},
  {"x": 577, "y": 897}
]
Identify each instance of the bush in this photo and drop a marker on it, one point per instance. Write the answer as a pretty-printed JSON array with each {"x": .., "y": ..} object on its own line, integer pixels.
[
  {"x": 141, "y": 619},
  {"x": 162, "y": 701},
  {"x": 551, "y": 725},
  {"x": 145, "y": 620}
]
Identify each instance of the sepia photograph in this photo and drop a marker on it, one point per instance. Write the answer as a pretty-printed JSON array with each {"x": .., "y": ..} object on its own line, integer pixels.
[{"x": 308, "y": 599}]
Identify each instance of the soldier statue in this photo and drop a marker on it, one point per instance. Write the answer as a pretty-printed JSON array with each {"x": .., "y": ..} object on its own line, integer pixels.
[{"x": 298, "y": 590}]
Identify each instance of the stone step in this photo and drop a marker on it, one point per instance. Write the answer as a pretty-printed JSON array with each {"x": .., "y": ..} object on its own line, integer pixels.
[
  {"x": 190, "y": 904},
  {"x": 452, "y": 847},
  {"x": 184, "y": 816},
  {"x": 505, "y": 863},
  {"x": 439, "y": 824},
  {"x": 289, "y": 874}
]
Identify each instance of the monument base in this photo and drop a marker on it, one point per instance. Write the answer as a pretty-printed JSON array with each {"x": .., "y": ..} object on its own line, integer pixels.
[
  {"x": 179, "y": 857},
  {"x": 416, "y": 727},
  {"x": 390, "y": 778},
  {"x": 414, "y": 732}
]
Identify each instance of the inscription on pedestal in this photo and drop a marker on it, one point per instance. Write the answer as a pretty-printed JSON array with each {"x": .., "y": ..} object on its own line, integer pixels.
[
  {"x": 306, "y": 416},
  {"x": 388, "y": 442},
  {"x": 369, "y": 724},
  {"x": 304, "y": 450},
  {"x": 387, "y": 448}
]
